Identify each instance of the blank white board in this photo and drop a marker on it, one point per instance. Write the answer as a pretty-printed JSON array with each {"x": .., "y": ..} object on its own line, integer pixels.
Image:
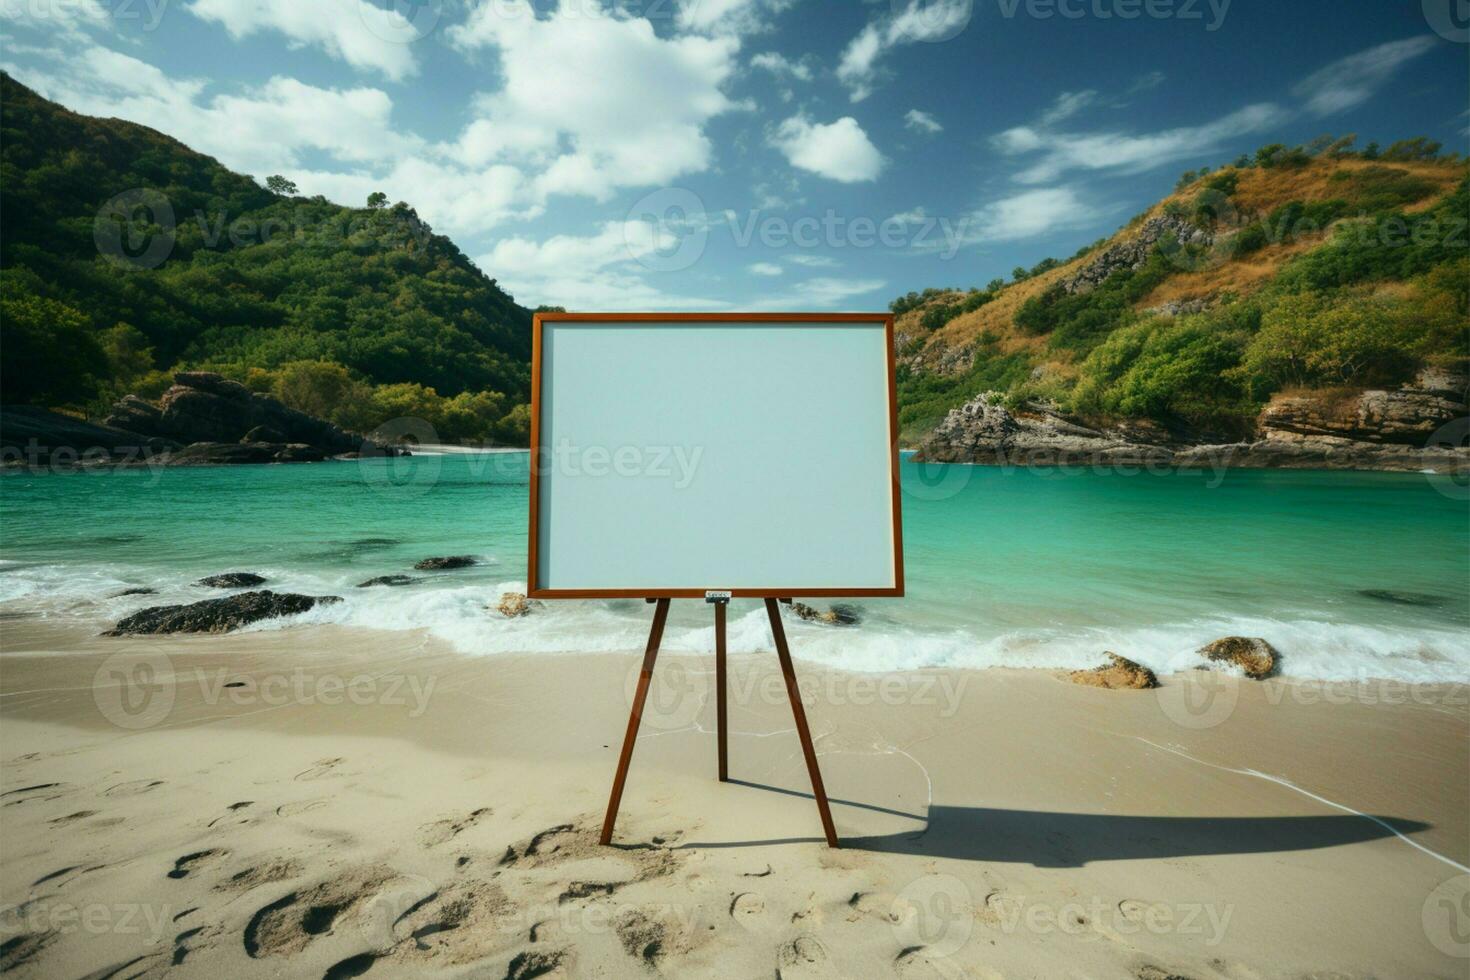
[{"x": 677, "y": 454}]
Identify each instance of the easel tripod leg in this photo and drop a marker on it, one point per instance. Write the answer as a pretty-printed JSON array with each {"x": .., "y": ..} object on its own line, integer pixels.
[
  {"x": 799, "y": 713},
  {"x": 650, "y": 654},
  {"x": 720, "y": 691}
]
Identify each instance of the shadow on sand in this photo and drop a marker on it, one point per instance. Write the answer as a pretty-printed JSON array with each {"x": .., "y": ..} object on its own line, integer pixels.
[{"x": 1071, "y": 840}]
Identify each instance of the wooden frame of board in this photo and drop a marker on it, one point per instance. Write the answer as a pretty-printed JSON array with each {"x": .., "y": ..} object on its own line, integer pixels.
[{"x": 774, "y": 591}]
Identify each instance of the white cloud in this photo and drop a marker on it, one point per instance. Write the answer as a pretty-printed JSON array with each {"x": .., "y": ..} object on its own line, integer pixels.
[
  {"x": 258, "y": 130},
  {"x": 358, "y": 32},
  {"x": 1028, "y": 215},
  {"x": 453, "y": 199},
  {"x": 270, "y": 129},
  {"x": 728, "y": 16},
  {"x": 61, "y": 16},
  {"x": 591, "y": 272},
  {"x": 910, "y": 217},
  {"x": 625, "y": 109},
  {"x": 1067, "y": 105},
  {"x": 814, "y": 261},
  {"x": 920, "y": 20},
  {"x": 1147, "y": 82},
  {"x": 602, "y": 272},
  {"x": 821, "y": 293},
  {"x": 840, "y": 151},
  {"x": 1063, "y": 152},
  {"x": 781, "y": 66},
  {"x": 922, "y": 122},
  {"x": 622, "y": 108},
  {"x": 1357, "y": 78}
]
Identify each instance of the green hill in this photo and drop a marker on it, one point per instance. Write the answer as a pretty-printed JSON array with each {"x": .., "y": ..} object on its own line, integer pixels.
[
  {"x": 125, "y": 256},
  {"x": 1296, "y": 270}
]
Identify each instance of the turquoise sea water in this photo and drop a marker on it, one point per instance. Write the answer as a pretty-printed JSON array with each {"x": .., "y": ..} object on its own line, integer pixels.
[{"x": 1004, "y": 567}]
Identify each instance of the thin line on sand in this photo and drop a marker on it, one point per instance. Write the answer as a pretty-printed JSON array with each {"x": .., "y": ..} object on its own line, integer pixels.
[{"x": 1308, "y": 793}]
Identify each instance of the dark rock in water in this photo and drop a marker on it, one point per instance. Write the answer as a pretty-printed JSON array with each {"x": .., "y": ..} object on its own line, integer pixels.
[
  {"x": 263, "y": 433},
  {"x": 141, "y": 590},
  {"x": 451, "y": 561},
  {"x": 1403, "y": 598},
  {"x": 203, "y": 409},
  {"x": 387, "y": 580},
  {"x": 218, "y": 615},
  {"x": 840, "y": 614},
  {"x": 232, "y": 580},
  {"x": 134, "y": 414},
  {"x": 1119, "y": 673},
  {"x": 35, "y": 437},
  {"x": 299, "y": 452},
  {"x": 1250, "y": 653},
  {"x": 204, "y": 453}
]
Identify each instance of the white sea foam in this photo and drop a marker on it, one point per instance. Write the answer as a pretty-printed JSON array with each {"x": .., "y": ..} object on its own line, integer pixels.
[{"x": 462, "y": 613}]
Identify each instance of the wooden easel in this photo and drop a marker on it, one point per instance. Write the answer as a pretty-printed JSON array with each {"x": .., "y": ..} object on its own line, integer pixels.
[{"x": 783, "y": 653}]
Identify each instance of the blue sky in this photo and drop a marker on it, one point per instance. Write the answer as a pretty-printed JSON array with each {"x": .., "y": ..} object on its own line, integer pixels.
[{"x": 749, "y": 154}]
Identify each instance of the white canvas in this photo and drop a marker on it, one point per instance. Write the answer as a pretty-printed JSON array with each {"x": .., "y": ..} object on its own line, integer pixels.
[{"x": 715, "y": 455}]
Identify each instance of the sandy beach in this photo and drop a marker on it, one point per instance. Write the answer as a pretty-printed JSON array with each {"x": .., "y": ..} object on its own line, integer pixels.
[{"x": 322, "y": 801}]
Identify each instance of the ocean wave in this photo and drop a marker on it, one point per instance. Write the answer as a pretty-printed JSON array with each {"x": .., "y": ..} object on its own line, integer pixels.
[{"x": 459, "y": 608}]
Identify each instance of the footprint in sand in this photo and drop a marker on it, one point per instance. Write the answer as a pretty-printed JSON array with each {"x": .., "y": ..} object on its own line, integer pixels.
[
  {"x": 291, "y": 922},
  {"x": 997, "y": 908},
  {"x": 66, "y": 873},
  {"x": 804, "y": 957},
  {"x": 652, "y": 936},
  {"x": 133, "y": 788},
  {"x": 39, "y": 793},
  {"x": 747, "y": 908},
  {"x": 232, "y": 814},
  {"x": 299, "y": 806},
  {"x": 443, "y": 831},
  {"x": 538, "y": 963},
  {"x": 353, "y": 966},
  {"x": 190, "y": 863},
  {"x": 181, "y": 944},
  {"x": 266, "y": 873},
  {"x": 322, "y": 769},
  {"x": 872, "y": 905},
  {"x": 1151, "y": 972},
  {"x": 916, "y": 963},
  {"x": 578, "y": 890},
  {"x": 462, "y": 921}
]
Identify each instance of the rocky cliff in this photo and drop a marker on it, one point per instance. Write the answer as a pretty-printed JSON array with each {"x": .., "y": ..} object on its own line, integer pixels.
[
  {"x": 1418, "y": 427},
  {"x": 202, "y": 418},
  {"x": 1173, "y": 230},
  {"x": 204, "y": 407}
]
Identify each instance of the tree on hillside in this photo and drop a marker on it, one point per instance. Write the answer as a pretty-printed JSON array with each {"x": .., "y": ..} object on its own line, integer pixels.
[
  {"x": 1418, "y": 148},
  {"x": 51, "y": 357},
  {"x": 321, "y": 388},
  {"x": 277, "y": 184},
  {"x": 377, "y": 199}
]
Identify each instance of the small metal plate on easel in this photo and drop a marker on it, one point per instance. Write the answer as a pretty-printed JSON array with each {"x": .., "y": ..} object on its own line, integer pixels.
[{"x": 717, "y": 595}]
